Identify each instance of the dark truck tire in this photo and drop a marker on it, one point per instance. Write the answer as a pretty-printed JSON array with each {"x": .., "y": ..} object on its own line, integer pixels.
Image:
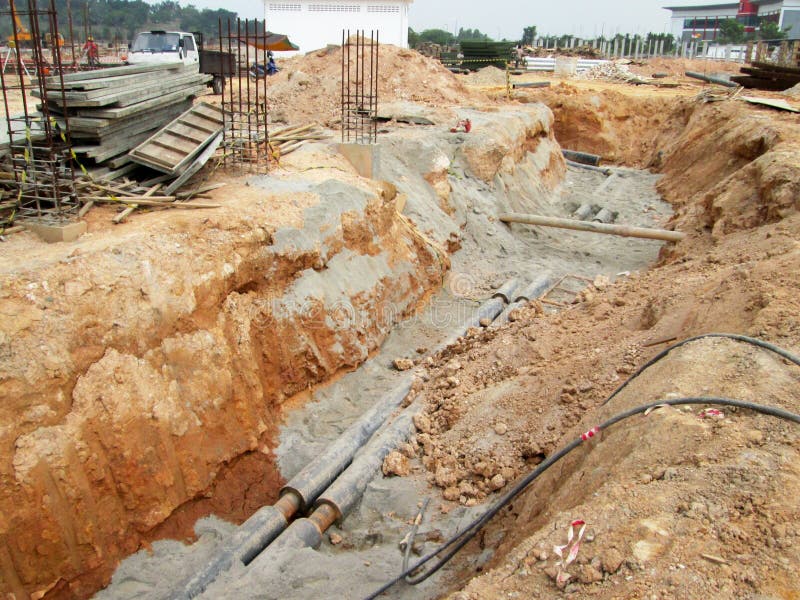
[{"x": 218, "y": 84}]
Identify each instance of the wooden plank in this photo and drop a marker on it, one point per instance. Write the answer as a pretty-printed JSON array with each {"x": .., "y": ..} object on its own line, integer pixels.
[
  {"x": 141, "y": 107},
  {"x": 119, "y": 85},
  {"x": 120, "y": 172},
  {"x": 119, "y": 161},
  {"x": 209, "y": 110},
  {"x": 124, "y": 214},
  {"x": 117, "y": 134},
  {"x": 187, "y": 133},
  {"x": 160, "y": 201},
  {"x": 133, "y": 95},
  {"x": 114, "y": 147},
  {"x": 117, "y": 81},
  {"x": 108, "y": 95},
  {"x": 196, "y": 124},
  {"x": 198, "y": 164},
  {"x": 138, "y": 98},
  {"x": 171, "y": 152},
  {"x": 112, "y": 72}
]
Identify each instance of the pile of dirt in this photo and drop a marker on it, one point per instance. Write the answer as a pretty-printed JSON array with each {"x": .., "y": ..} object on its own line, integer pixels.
[
  {"x": 488, "y": 76},
  {"x": 618, "y": 70},
  {"x": 677, "y": 67},
  {"x": 584, "y": 51},
  {"x": 793, "y": 92},
  {"x": 308, "y": 88},
  {"x": 731, "y": 167}
]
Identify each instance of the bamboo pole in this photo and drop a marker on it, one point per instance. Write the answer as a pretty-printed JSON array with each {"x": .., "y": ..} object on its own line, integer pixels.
[
  {"x": 124, "y": 214},
  {"x": 161, "y": 201},
  {"x": 621, "y": 230}
]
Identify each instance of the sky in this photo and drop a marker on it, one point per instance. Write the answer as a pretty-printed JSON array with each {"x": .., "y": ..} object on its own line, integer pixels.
[{"x": 506, "y": 18}]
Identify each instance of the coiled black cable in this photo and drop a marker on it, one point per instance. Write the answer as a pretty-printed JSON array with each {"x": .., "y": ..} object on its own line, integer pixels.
[
  {"x": 732, "y": 336},
  {"x": 454, "y": 544}
]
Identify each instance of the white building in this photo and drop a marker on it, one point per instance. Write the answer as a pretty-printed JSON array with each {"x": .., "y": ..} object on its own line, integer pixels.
[
  {"x": 701, "y": 20},
  {"x": 313, "y": 24}
]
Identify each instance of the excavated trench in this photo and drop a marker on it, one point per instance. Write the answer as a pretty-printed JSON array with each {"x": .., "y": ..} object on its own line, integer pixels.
[
  {"x": 148, "y": 374},
  {"x": 451, "y": 188}
]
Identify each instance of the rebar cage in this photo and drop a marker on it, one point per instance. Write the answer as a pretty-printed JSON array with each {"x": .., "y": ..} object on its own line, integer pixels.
[
  {"x": 244, "y": 104},
  {"x": 35, "y": 149},
  {"x": 359, "y": 87}
]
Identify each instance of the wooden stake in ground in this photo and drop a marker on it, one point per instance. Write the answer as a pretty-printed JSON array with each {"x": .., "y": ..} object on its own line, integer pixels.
[{"x": 621, "y": 230}]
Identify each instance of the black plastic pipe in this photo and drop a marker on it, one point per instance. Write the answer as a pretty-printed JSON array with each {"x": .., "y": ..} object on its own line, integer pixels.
[{"x": 583, "y": 158}]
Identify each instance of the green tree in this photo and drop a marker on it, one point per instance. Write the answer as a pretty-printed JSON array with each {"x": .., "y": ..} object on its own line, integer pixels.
[
  {"x": 413, "y": 38},
  {"x": 731, "y": 32},
  {"x": 667, "y": 38},
  {"x": 437, "y": 36},
  {"x": 770, "y": 30},
  {"x": 466, "y": 35},
  {"x": 529, "y": 35}
]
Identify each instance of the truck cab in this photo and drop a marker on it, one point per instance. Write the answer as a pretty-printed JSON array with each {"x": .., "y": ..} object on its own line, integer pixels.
[{"x": 160, "y": 47}]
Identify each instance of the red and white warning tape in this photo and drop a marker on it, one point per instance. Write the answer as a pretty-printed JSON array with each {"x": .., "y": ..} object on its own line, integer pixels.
[{"x": 563, "y": 576}]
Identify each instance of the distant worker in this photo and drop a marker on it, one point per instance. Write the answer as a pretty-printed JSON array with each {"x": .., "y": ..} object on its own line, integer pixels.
[
  {"x": 92, "y": 52},
  {"x": 520, "y": 56},
  {"x": 271, "y": 66}
]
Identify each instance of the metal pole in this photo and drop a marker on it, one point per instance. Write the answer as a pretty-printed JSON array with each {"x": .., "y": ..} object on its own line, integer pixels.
[
  {"x": 239, "y": 119},
  {"x": 342, "y": 88},
  {"x": 247, "y": 62},
  {"x": 71, "y": 36},
  {"x": 225, "y": 76},
  {"x": 59, "y": 65},
  {"x": 234, "y": 73},
  {"x": 377, "y": 81}
]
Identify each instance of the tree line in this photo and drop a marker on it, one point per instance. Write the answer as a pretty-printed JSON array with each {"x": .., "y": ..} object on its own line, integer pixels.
[
  {"x": 121, "y": 20},
  {"x": 730, "y": 32},
  {"x": 529, "y": 36}
]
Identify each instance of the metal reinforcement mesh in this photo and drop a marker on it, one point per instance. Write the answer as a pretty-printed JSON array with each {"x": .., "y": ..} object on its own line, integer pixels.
[
  {"x": 359, "y": 87},
  {"x": 37, "y": 153},
  {"x": 245, "y": 58}
]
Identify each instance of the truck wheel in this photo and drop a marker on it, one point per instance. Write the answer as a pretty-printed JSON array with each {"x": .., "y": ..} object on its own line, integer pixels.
[{"x": 218, "y": 85}]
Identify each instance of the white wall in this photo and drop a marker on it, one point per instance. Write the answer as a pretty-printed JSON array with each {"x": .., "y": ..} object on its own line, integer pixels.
[
  {"x": 313, "y": 24},
  {"x": 678, "y": 17}
]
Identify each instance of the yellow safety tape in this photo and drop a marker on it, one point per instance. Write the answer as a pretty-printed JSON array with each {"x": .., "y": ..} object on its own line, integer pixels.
[{"x": 459, "y": 61}]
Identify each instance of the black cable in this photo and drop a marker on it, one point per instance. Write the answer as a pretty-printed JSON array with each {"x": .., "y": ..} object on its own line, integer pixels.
[
  {"x": 732, "y": 336},
  {"x": 458, "y": 541}
]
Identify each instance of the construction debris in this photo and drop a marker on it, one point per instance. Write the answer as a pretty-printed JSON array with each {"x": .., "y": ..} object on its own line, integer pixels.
[
  {"x": 772, "y": 103},
  {"x": 112, "y": 110},
  {"x": 287, "y": 140},
  {"x": 620, "y": 71},
  {"x": 768, "y": 76},
  {"x": 174, "y": 147}
]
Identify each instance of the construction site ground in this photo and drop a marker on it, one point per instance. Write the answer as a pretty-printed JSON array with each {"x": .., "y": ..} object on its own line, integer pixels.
[{"x": 186, "y": 364}]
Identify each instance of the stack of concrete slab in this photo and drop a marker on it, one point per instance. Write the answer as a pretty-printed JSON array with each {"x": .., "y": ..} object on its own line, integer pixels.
[
  {"x": 112, "y": 110},
  {"x": 767, "y": 76}
]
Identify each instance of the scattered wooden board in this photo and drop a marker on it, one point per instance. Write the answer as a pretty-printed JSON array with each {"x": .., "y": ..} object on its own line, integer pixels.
[{"x": 174, "y": 147}]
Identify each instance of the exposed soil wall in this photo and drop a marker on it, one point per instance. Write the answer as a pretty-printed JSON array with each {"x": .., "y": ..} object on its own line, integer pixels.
[
  {"x": 622, "y": 128},
  {"x": 135, "y": 368}
]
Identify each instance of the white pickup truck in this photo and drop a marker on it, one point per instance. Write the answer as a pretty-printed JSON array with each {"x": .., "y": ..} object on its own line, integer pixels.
[
  {"x": 151, "y": 47},
  {"x": 160, "y": 47}
]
